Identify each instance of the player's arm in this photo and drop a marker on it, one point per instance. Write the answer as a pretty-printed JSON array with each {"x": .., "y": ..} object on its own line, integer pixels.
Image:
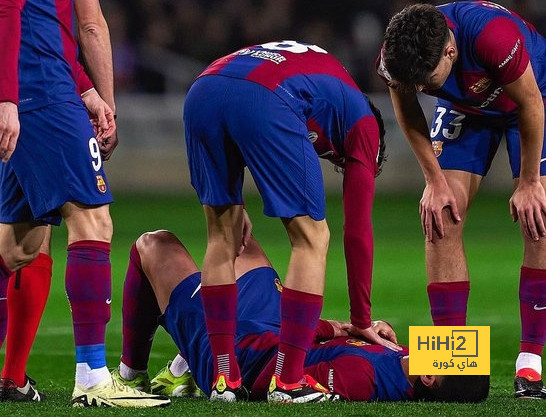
[
  {"x": 10, "y": 33},
  {"x": 528, "y": 203},
  {"x": 94, "y": 40},
  {"x": 437, "y": 194},
  {"x": 500, "y": 47},
  {"x": 358, "y": 192}
]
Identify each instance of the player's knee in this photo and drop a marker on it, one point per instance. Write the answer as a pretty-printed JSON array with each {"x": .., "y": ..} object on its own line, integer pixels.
[
  {"x": 21, "y": 256},
  {"x": 150, "y": 241},
  {"x": 323, "y": 237}
]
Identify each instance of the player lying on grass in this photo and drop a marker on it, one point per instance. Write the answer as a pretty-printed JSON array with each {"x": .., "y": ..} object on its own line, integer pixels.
[{"x": 163, "y": 281}]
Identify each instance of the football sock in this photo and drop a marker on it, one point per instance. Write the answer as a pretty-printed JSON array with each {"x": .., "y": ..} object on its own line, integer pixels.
[
  {"x": 5, "y": 273},
  {"x": 89, "y": 292},
  {"x": 129, "y": 373},
  {"x": 532, "y": 304},
  {"x": 140, "y": 313},
  {"x": 27, "y": 295},
  {"x": 3, "y": 309},
  {"x": 448, "y": 302},
  {"x": 300, "y": 313},
  {"x": 529, "y": 365},
  {"x": 220, "y": 306},
  {"x": 178, "y": 366}
]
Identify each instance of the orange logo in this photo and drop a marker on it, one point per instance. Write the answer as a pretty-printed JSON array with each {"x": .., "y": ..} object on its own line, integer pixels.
[
  {"x": 437, "y": 147},
  {"x": 356, "y": 342},
  {"x": 480, "y": 85},
  {"x": 278, "y": 284},
  {"x": 101, "y": 184}
]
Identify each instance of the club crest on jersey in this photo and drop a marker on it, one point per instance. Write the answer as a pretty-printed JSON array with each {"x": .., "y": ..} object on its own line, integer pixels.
[
  {"x": 481, "y": 85},
  {"x": 437, "y": 147},
  {"x": 278, "y": 284},
  {"x": 356, "y": 342},
  {"x": 101, "y": 184}
]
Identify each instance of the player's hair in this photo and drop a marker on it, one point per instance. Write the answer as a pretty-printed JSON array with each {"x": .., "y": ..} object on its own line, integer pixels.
[
  {"x": 454, "y": 388},
  {"x": 381, "y": 156},
  {"x": 414, "y": 42}
]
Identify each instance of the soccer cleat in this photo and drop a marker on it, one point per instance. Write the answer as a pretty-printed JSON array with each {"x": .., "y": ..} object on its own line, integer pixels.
[
  {"x": 9, "y": 391},
  {"x": 141, "y": 382},
  {"x": 228, "y": 391},
  {"x": 306, "y": 391},
  {"x": 532, "y": 388},
  {"x": 165, "y": 383},
  {"x": 112, "y": 393}
]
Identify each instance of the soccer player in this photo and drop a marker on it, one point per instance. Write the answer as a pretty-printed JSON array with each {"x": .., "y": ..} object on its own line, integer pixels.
[
  {"x": 29, "y": 286},
  {"x": 486, "y": 66},
  {"x": 163, "y": 281},
  {"x": 276, "y": 108},
  {"x": 56, "y": 172}
]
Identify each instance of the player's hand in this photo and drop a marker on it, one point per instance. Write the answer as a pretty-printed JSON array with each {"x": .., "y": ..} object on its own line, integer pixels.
[
  {"x": 384, "y": 330},
  {"x": 436, "y": 197},
  {"x": 528, "y": 204},
  {"x": 247, "y": 232},
  {"x": 371, "y": 335},
  {"x": 100, "y": 113},
  {"x": 9, "y": 129},
  {"x": 107, "y": 145}
]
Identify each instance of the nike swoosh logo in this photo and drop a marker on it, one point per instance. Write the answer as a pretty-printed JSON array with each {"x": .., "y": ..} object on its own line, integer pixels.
[
  {"x": 536, "y": 307},
  {"x": 542, "y": 160},
  {"x": 3, "y": 298},
  {"x": 196, "y": 290},
  {"x": 109, "y": 301}
]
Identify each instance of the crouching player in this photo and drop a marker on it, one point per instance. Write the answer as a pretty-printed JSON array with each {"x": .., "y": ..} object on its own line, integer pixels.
[{"x": 163, "y": 281}]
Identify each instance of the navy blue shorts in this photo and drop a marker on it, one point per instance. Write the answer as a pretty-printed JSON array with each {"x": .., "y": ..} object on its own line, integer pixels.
[
  {"x": 468, "y": 142},
  {"x": 57, "y": 160},
  {"x": 258, "y": 312},
  {"x": 232, "y": 123}
]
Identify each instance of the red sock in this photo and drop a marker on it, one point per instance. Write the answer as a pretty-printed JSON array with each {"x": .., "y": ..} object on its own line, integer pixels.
[
  {"x": 140, "y": 313},
  {"x": 27, "y": 295},
  {"x": 448, "y": 301},
  {"x": 220, "y": 306},
  {"x": 3, "y": 309},
  {"x": 532, "y": 303},
  {"x": 300, "y": 313}
]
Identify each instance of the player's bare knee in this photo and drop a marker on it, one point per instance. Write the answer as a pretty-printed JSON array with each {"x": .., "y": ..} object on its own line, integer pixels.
[
  {"x": 150, "y": 241},
  {"x": 21, "y": 257}
]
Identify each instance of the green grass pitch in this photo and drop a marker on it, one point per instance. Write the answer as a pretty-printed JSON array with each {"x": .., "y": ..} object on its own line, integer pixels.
[{"x": 494, "y": 253}]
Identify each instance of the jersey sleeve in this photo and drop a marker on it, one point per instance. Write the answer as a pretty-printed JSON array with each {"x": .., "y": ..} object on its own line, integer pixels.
[
  {"x": 500, "y": 47},
  {"x": 325, "y": 331},
  {"x": 10, "y": 33},
  {"x": 83, "y": 83},
  {"x": 361, "y": 149}
]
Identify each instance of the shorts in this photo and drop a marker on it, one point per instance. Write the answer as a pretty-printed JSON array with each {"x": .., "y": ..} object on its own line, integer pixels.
[
  {"x": 57, "y": 160},
  {"x": 232, "y": 123},
  {"x": 469, "y": 142},
  {"x": 258, "y": 312}
]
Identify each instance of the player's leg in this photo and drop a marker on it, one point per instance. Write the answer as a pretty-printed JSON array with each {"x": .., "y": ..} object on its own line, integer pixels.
[
  {"x": 301, "y": 304},
  {"x": 448, "y": 279},
  {"x": 465, "y": 146},
  {"x": 216, "y": 168},
  {"x": 532, "y": 296},
  {"x": 88, "y": 287},
  {"x": 19, "y": 245},
  {"x": 219, "y": 295},
  {"x": 160, "y": 260},
  {"x": 27, "y": 296}
]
